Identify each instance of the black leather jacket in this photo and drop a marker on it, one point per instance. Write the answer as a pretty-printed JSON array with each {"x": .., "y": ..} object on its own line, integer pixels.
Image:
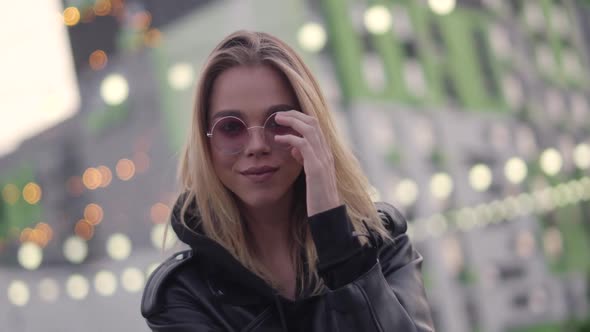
[{"x": 376, "y": 287}]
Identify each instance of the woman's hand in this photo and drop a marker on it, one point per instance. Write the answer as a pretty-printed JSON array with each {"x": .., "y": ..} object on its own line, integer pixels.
[{"x": 312, "y": 151}]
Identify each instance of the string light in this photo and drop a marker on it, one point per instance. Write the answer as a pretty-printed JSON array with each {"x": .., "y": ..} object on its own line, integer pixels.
[
  {"x": 10, "y": 193},
  {"x": 118, "y": 246},
  {"x": 18, "y": 293},
  {"x": 442, "y": 7},
  {"x": 77, "y": 287},
  {"x": 377, "y": 19},
  {"x": 98, "y": 60},
  {"x": 32, "y": 193},
  {"x": 312, "y": 37},
  {"x": 406, "y": 192},
  {"x": 509, "y": 208},
  {"x": 441, "y": 185},
  {"x": 105, "y": 283},
  {"x": 125, "y": 169},
  {"x": 102, "y": 7},
  {"x": 48, "y": 290},
  {"x": 30, "y": 255},
  {"x": 71, "y": 16}
]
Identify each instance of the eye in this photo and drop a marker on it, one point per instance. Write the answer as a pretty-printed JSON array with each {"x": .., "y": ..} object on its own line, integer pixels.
[
  {"x": 276, "y": 128},
  {"x": 230, "y": 127}
]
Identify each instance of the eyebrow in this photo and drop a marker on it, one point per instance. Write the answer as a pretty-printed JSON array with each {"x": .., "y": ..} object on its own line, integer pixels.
[{"x": 238, "y": 113}]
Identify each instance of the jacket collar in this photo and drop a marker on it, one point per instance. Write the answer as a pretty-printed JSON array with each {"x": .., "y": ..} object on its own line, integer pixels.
[{"x": 231, "y": 277}]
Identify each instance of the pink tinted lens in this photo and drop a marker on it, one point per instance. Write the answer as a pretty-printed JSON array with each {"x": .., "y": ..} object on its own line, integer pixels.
[
  {"x": 272, "y": 128},
  {"x": 229, "y": 135}
]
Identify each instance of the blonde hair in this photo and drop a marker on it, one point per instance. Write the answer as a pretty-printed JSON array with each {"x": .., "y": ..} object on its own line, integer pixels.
[{"x": 220, "y": 218}]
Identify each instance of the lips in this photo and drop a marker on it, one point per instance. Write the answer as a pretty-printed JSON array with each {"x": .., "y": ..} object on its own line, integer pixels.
[
  {"x": 259, "y": 170},
  {"x": 261, "y": 174}
]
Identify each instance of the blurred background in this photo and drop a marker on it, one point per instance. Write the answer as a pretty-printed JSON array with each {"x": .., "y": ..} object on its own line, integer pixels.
[{"x": 471, "y": 116}]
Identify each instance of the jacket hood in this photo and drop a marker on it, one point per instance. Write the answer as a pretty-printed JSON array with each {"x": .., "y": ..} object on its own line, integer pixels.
[{"x": 211, "y": 254}]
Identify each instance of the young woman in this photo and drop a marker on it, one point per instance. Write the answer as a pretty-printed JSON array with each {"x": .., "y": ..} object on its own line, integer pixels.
[{"x": 282, "y": 232}]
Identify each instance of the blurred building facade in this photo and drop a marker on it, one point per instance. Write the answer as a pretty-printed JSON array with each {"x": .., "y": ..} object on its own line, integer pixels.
[{"x": 472, "y": 118}]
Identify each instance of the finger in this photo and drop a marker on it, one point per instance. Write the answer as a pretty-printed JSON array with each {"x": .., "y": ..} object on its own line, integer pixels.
[
  {"x": 293, "y": 118},
  {"x": 310, "y": 120},
  {"x": 302, "y": 145},
  {"x": 308, "y": 131}
]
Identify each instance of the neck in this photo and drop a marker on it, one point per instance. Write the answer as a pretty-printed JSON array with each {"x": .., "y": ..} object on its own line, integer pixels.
[{"x": 269, "y": 227}]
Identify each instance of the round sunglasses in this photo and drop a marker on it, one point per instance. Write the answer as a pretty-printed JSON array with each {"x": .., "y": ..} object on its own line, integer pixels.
[{"x": 229, "y": 134}]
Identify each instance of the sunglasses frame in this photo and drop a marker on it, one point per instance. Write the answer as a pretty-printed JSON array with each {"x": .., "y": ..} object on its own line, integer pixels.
[{"x": 210, "y": 132}]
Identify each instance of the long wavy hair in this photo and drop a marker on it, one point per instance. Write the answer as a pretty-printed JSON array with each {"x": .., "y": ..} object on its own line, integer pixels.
[{"x": 220, "y": 218}]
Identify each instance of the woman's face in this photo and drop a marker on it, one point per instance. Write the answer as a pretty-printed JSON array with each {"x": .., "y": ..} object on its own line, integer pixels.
[{"x": 251, "y": 94}]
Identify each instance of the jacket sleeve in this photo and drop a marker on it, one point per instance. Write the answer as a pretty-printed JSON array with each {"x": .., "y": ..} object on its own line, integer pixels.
[
  {"x": 377, "y": 287},
  {"x": 168, "y": 306}
]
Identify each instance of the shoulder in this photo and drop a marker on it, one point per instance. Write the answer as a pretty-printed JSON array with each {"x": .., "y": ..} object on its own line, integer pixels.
[
  {"x": 162, "y": 279},
  {"x": 392, "y": 218}
]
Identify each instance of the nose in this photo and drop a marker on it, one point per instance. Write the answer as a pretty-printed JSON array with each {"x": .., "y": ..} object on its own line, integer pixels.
[{"x": 257, "y": 143}]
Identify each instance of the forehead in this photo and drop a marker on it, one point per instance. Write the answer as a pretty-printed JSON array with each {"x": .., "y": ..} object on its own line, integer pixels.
[{"x": 251, "y": 91}]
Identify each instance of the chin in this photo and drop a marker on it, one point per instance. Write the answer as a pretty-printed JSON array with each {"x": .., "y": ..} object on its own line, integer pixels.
[{"x": 259, "y": 200}]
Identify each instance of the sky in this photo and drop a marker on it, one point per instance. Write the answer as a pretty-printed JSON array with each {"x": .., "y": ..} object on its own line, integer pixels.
[{"x": 38, "y": 86}]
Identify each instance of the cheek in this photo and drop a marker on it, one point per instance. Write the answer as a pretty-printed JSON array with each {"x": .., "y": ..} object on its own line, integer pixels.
[{"x": 223, "y": 165}]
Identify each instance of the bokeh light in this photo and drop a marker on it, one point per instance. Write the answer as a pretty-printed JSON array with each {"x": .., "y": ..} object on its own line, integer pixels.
[
  {"x": 18, "y": 293},
  {"x": 98, "y": 60},
  {"x": 153, "y": 37},
  {"x": 125, "y": 169},
  {"x": 480, "y": 177},
  {"x": 452, "y": 254},
  {"x": 377, "y": 19},
  {"x": 118, "y": 246},
  {"x": 141, "y": 161},
  {"x": 114, "y": 89},
  {"x": 515, "y": 170},
  {"x": 32, "y": 193},
  {"x": 87, "y": 14},
  {"x": 93, "y": 213},
  {"x": 552, "y": 242},
  {"x": 105, "y": 283},
  {"x": 442, "y": 7},
  {"x": 132, "y": 280},
  {"x": 312, "y": 37},
  {"x": 71, "y": 16},
  {"x": 40, "y": 235},
  {"x": 25, "y": 234},
  {"x": 10, "y": 193},
  {"x": 48, "y": 290},
  {"x": 75, "y": 249},
  {"x": 84, "y": 229},
  {"x": 30, "y": 255},
  {"x": 106, "y": 176},
  {"x": 525, "y": 244},
  {"x": 157, "y": 237},
  {"x": 91, "y": 178},
  {"x": 551, "y": 161},
  {"x": 142, "y": 20},
  {"x": 77, "y": 287},
  {"x": 102, "y": 7},
  {"x": 582, "y": 156},
  {"x": 406, "y": 192},
  {"x": 180, "y": 76},
  {"x": 441, "y": 185},
  {"x": 46, "y": 234},
  {"x": 159, "y": 213}
]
